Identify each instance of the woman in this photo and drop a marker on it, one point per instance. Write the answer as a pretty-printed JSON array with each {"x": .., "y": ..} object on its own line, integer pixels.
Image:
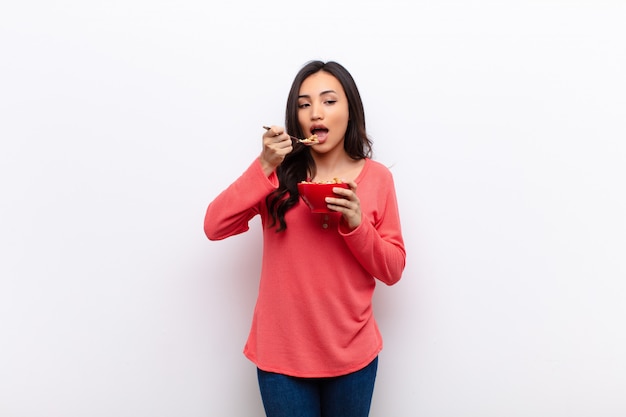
[{"x": 314, "y": 338}]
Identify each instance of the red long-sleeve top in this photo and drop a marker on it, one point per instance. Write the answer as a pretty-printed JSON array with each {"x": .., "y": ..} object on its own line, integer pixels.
[{"x": 313, "y": 316}]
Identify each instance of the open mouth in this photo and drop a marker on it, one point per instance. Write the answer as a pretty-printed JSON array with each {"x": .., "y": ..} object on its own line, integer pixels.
[{"x": 321, "y": 134}]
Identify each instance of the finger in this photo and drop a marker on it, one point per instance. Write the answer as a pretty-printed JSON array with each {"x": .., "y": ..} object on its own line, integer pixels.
[
  {"x": 338, "y": 202},
  {"x": 273, "y": 131},
  {"x": 345, "y": 193},
  {"x": 342, "y": 191},
  {"x": 277, "y": 142}
]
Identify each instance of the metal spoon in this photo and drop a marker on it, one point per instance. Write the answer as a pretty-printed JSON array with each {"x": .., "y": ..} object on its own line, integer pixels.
[{"x": 308, "y": 141}]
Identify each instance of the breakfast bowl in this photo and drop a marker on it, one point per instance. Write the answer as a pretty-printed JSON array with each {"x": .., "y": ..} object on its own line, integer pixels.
[{"x": 314, "y": 194}]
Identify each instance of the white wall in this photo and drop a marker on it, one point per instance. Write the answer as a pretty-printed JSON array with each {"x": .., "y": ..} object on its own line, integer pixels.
[{"x": 503, "y": 123}]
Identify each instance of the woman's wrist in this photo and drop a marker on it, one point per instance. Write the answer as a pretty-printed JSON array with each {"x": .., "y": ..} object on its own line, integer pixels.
[{"x": 267, "y": 167}]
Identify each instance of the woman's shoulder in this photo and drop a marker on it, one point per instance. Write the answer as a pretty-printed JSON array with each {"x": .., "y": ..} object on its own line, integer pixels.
[
  {"x": 376, "y": 164},
  {"x": 376, "y": 168}
]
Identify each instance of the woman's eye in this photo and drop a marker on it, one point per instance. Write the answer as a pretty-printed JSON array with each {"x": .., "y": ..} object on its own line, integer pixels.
[
  {"x": 303, "y": 105},
  {"x": 330, "y": 101}
]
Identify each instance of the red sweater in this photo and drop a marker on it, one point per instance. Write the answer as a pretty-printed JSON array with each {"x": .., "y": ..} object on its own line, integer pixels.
[{"x": 313, "y": 316}]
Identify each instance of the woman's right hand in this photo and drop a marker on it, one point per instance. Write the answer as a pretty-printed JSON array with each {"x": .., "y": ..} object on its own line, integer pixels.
[{"x": 276, "y": 145}]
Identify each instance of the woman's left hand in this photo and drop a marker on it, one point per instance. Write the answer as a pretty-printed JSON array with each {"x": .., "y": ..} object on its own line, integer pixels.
[{"x": 348, "y": 204}]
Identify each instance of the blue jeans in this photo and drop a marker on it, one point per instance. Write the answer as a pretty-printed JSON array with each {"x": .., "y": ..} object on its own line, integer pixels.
[{"x": 343, "y": 396}]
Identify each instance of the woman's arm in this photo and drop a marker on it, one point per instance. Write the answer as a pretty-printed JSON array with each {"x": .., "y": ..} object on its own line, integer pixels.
[
  {"x": 377, "y": 243},
  {"x": 230, "y": 212}
]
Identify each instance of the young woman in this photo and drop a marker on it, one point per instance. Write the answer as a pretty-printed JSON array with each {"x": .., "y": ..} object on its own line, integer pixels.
[{"x": 314, "y": 338}]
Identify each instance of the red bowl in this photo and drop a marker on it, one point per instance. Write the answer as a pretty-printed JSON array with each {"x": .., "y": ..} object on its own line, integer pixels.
[{"x": 314, "y": 194}]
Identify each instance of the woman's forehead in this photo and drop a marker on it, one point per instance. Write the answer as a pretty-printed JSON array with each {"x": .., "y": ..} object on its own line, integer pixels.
[{"x": 320, "y": 83}]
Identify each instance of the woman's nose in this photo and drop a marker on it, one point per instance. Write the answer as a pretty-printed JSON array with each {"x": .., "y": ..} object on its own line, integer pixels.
[{"x": 316, "y": 112}]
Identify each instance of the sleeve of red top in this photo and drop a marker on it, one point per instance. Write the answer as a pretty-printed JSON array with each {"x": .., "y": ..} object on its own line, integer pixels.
[
  {"x": 230, "y": 212},
  {"x": 379, "y": 248}
]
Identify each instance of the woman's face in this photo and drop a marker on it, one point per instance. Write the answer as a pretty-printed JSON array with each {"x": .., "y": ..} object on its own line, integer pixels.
[{"x": 323, "y": 110}]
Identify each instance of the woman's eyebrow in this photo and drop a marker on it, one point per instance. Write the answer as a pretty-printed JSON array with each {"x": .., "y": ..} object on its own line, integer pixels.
[{"x": 321, "y": 94}]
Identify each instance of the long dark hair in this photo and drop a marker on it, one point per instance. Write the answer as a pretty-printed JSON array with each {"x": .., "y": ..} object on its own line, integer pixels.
[{"x": 299, "y": 162}]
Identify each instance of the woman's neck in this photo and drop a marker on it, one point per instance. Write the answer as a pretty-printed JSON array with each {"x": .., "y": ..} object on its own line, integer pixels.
[{"x": 336, "y": 165}]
